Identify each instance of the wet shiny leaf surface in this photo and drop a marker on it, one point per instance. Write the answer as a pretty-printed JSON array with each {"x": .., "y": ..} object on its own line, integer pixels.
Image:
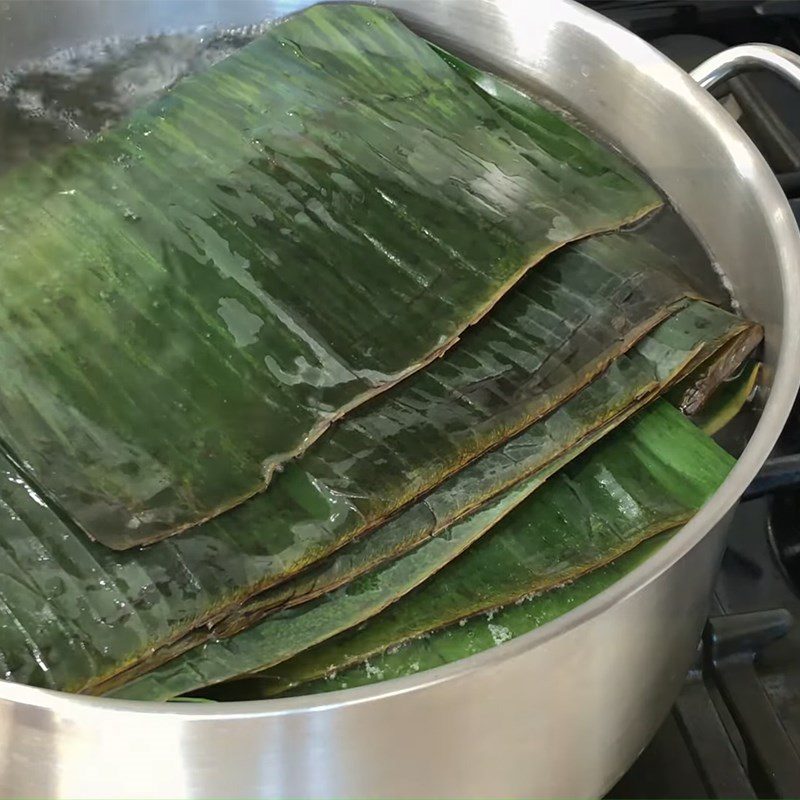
[
  {"x": 446, "y": 645},
  {"x": 275, "y": 241},
  {"x": 649, "y": 476},
  {"x": 107, "y": 612}
]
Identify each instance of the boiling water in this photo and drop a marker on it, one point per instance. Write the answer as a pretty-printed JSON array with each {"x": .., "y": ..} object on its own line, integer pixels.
[{"x": 77, "y": 93}]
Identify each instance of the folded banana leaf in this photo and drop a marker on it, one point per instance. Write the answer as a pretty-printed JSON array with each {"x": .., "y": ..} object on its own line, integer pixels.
[
  {"x": 444, "y": 646},
  {"x": 285, "y": 633},
  {"x": 650, "y": 475},
  {"x": 627, "y": 385},
  {"x": 553, "y": 335},
  {"x": 537, "y": 457},
  {"x": 662, "y": 357},
  {"x": 673, "y": 349},
  {"x": 276, "y": 240},
  {"x": 472, "y": 635},
  {"x": 729, "y": 399},
  {"x": 692, "y": 395}
]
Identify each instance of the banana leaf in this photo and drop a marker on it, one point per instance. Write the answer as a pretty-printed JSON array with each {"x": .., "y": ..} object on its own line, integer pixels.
[
  {"x": 627, "y": 385},
  {"x": 664, "y": 356},
  {"x": 667, "y": 231},
  {"x": 516, "y": 108},
  {"x": 275, "y": 241},
  {"x": 284, "y": 633},
  {"x": 648, "y": 476},
  {"x": 304, "y": 673},
  {"x": 107, "y": 612},
  {"x": 434, "y": 649},
  {"x": 729, "y": 399},
  {"x": 693, "y": 394}
]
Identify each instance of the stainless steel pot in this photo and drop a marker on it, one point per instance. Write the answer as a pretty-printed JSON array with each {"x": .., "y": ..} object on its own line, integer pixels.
[{"x": 564, "y": 710}]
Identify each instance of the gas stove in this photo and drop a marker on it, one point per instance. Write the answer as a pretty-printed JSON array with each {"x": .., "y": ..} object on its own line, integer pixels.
[{"x": 735, "y": 729}]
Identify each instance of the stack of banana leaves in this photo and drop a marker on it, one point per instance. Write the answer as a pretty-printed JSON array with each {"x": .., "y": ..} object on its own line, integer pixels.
[{"x": 340, "y": 361}]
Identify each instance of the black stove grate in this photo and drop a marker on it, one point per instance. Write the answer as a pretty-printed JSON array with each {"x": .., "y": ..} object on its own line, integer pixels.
[{"x": 734, "y": 731}]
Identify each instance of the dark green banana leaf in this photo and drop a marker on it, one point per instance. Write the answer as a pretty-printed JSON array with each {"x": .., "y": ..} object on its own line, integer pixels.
[
  {"x": 446, "y": 645},
  {"x": 668, "y": 232},
  {"x": 628, "y": 384},
  {"x": 276, "y": 240},
  {"x": 106, "y": 612},
  {"x": 661, "y": 358},
  {"x": 478, "y": 633},
  {"x": 649, "y": 475},
  {"x": 516, "y": 107},
  {"x": 284, "y": 633}
]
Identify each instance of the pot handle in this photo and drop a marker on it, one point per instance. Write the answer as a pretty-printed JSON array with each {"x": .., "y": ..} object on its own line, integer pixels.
[
  {"x": 745, "y": 57},
  {"x": 783, "y": 471}
]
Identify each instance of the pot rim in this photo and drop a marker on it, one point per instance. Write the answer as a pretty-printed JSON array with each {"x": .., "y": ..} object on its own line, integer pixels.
[{"x": 784, "y": 232}]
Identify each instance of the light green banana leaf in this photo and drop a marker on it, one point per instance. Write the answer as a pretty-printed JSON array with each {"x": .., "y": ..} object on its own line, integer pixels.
[
  {"x": 89, "y": 614},
  {"x": 444, "y": 646},
  {"x": 648, "y": 476},
  {"x": 272, "y": 243}
]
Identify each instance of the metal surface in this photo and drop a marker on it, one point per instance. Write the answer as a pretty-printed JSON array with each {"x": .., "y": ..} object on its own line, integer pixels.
[
  {"x": 733, "y": 643},
  {"x": 564, "y": 710},
  {"x": 746, "y": 57}
]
